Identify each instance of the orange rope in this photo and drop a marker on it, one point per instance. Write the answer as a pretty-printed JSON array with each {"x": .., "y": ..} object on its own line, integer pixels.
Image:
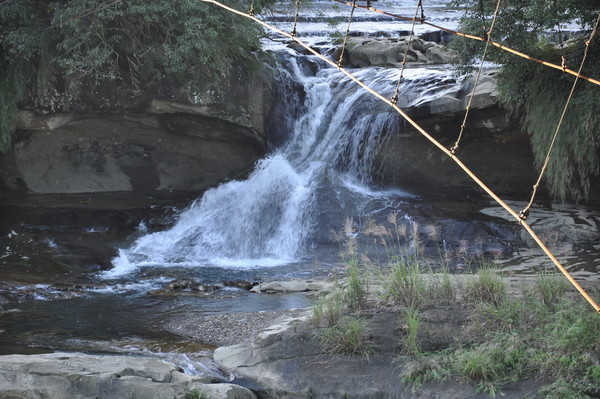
[
  {"x": 431, "y": 139},
  {"x": 499, "y": 45}
]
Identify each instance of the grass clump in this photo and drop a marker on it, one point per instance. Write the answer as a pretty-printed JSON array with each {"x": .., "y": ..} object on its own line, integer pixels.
[
  {"x": 487, "y": 287},
  {"x": 410, "y": 322},
  {"x": 441, "y": 290},
  {"x": 404, "y": 285},
  {"x": 355, "y": 291},
  {"x": 348, "y": 337},
  {"x": 329, "y": 308},
  {"x": 551, "y": 287}
]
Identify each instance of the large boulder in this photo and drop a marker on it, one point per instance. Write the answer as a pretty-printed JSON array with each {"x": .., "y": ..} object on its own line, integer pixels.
[
  {"x": 81, "y": 376},
  {"x": 389, "y": 52},
  {"x": 125, "y": 152}
]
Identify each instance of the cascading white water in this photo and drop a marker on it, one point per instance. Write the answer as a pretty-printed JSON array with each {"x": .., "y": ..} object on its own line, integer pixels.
[{"x": 268, "y": 218}]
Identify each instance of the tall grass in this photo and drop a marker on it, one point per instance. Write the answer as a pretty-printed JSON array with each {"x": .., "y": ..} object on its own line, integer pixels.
[
  {"x": 441, "y": 289},
  {"x": 551, "y": 287},
  {"x": 356, "y": 286},
  {"x": 329, "y": 308},
  {"x": 410, "y": 320},
  {"x": 542, "y": 333}
]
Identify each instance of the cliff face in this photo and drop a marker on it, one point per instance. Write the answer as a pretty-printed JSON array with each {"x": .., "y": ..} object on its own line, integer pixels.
[
  {"x": 492, "y": 145},
  {"x": 126, "y": 140}
]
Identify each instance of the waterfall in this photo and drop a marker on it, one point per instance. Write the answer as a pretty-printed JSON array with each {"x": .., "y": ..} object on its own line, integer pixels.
[{"x": 268, "y": 219}]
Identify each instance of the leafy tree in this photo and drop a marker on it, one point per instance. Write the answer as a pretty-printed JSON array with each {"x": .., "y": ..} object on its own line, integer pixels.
[
  {"x": 537, "y": 94},
  {"x": 52, "y": 50}
]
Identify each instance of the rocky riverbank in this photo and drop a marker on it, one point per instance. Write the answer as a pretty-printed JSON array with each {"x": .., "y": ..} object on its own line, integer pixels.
[
  {"x": 280, "y": 354},
  {"x": 288, "y": 360}
]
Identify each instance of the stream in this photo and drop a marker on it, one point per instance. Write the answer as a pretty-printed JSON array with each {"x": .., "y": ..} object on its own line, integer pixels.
[{"x": 81, "y": 272}]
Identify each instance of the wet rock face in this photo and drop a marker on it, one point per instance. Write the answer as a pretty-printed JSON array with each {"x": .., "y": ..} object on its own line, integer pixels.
[
  {"x": 144, "y": 141},
  {"x": 492, "y": 145},
  {"x": 503, "y": 160}
]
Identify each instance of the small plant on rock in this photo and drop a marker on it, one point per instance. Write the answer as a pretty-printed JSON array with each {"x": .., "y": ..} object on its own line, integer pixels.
[{"x": 329, "y": 308}]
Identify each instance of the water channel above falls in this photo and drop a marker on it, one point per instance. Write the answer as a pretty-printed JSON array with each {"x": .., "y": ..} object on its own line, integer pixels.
[{"x": 75, "y": 277}]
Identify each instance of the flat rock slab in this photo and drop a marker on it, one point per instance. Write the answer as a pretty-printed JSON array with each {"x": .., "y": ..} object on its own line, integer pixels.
[{"x": 82, "y": 376}]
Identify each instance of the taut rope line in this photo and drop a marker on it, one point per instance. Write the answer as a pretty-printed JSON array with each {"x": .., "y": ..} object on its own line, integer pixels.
[
  {"x": 428, "y": 137},
  {"x": 485, "y": 50},
  {"x": 339, "y": 63},
  {"x": 412, "y": 32}
]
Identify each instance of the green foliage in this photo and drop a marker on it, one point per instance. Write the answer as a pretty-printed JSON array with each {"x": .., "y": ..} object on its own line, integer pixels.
[
  {"x": 355, "y": 291},
  {"x": 537, "y": 94},
  {"x": 551, "y": 287},
  {"x": 329, "y": 308},
  {"x": 51, "y": 50},
  {"x": 441, "y": 289},
  {"x": 197, "y": 394}
]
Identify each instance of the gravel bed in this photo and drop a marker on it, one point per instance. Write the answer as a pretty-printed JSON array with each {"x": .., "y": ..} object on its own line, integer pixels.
[{"x": 227, "y": 328}]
